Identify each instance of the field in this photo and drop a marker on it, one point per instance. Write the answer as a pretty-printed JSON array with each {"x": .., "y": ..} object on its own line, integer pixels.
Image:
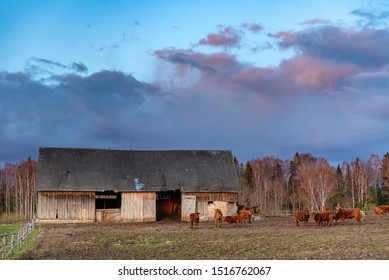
[{"x": 272, "y": 238}]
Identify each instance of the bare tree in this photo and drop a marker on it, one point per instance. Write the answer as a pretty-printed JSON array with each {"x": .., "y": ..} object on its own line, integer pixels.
[
  {"x": 359, "y": 181},
  {"x": 374, "y": 165},
  {"x": 318, "y": 182}
]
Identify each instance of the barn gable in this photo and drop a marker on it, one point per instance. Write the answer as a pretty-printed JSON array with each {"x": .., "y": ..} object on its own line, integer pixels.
[{"x": 86, "y": 185}]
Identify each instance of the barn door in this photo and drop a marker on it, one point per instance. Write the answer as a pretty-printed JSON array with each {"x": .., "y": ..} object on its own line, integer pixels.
[
  {"x": 149, "y": 209},
  {"x": 188, "y": 206}
]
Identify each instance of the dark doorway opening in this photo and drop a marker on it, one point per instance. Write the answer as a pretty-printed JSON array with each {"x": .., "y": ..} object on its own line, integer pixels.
[
  {"x": 108, "y": 200},
  {"x": 169, "y": 205}
]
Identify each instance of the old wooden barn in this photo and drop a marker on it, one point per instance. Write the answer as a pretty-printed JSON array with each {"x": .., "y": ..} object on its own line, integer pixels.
[{"x": 98, "y": 185}]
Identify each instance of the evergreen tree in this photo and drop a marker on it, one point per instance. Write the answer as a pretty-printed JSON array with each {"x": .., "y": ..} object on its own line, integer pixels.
[
  {"x": 384, "y": 195},
  {"x": 248, "y": 175},
  {"x": 340, "y": 188}
]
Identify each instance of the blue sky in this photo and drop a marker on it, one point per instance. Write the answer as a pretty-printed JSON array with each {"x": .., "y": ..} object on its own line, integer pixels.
[{"x": 256, "y": 77}]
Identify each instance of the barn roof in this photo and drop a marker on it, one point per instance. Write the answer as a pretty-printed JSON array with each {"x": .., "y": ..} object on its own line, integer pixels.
[{"x": 69, "y": 169}]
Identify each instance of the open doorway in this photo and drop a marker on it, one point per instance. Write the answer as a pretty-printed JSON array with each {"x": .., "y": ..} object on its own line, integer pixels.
[
  {"x": 169, "y": 205},
  {"x": 108, "y": 200}
]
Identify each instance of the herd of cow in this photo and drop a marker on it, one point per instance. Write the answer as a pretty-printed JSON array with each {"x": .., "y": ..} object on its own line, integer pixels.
[
  {"x": 243, "y": 214},
  {"x": 326, "y": 217},
  {"x": 329, "y": 216}
]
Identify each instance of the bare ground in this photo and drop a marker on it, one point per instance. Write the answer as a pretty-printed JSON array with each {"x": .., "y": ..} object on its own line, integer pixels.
[{"x": 269, "y": 238}]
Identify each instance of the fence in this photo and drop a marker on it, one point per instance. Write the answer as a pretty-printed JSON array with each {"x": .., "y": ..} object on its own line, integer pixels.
[{"x": 14, "y": 240}]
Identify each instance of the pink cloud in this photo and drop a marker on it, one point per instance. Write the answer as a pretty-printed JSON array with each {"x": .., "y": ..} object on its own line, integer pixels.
[
  {"x": 316, "y": 73},
  {"x": 283, "y": 35},
  {"x": 227, "y": 37},
  {"x": 253, "y": 27}
]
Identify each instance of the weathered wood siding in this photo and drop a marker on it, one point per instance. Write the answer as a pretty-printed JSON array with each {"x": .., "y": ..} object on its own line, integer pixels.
[
  {"x": 188, "y": 206},
  {"x": 139, "y": 206},
  {"x": 66, "y": 206},
  {"x": 108, "y": 215},
  {"x": 215, "y": 196},
  {"x": 206, "y": 202}
]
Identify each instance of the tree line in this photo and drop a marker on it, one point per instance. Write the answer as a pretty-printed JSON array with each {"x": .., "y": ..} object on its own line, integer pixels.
[
  {"x": 308, "y": 182},
  {"x": 17, "y": 189}
]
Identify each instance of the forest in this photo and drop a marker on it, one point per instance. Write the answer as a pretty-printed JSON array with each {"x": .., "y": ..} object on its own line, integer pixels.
[
  {"x": 307, "y": 182},
  {"x": 277, "y": 186}
]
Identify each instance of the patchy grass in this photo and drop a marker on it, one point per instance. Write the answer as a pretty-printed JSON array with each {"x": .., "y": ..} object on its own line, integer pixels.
[
  {"x": 28, "y": 244},
  {"x": 9, "y": 228},
  {"x": 273, "y": 238}
]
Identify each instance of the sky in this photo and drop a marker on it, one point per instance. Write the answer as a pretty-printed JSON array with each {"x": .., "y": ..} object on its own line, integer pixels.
[{"x": 259, "y": 78}]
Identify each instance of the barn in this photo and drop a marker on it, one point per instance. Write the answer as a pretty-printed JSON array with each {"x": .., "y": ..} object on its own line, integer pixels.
[{"x": 80, "y": 185}]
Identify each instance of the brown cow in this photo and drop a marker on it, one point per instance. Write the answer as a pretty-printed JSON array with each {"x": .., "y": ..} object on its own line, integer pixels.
[
  {"x": 194, "y": 220},
  {"x": 254, "y": 209},
  {"x": 246, "y": 214},
  {"x": 381, "y": 209},
  {"x": 324, "y": 216},
  {"x": 301, "y": 216},
  {"x": 218, "y": 216},
  {"x": 232, "y": 219},
  {"x": 343, "y": 214}
]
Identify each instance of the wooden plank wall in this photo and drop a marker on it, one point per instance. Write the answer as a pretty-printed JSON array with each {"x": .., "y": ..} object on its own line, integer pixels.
[
  {"x": 225, "y": 201},
  {"x": 66, "y": 206},
  {"x": 139, "y": 206},
  {"x": 215, "y": 196}
]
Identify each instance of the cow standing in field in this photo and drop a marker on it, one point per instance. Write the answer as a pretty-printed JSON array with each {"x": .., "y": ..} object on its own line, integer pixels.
[
  {"x": 232, "y": 219},
  {"x": 253, "y": 209},
  {"x": 218, "y": 216},
  {"x": 246, "y": 214},
  {"x": 194, "y": 220},
  {"x": 381, "y": 209},
  {"x": 343, "y": 214},
  {"x": 378, "y": 211},
  {"x": 301, "y": 216},
  {"x": 324, "y": 216}
]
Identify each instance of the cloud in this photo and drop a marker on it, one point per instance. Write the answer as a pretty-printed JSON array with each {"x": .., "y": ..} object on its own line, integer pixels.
[
  {"x": 361, "y": 47},
  {"x": 329, "y": 98},
  {"x": 253, "y": 27},
  {"x": 75, "y": 111},
  {"x": 226, "y": 37},
  {"x": 315, "y": 21},
  {"x": 79, "y": 67},
  {"x": 109, "y": 47},
  {"x": 42, "y": 67},
  {"x": 216, "y": 63},
  {"x": 371, "y": 17}
]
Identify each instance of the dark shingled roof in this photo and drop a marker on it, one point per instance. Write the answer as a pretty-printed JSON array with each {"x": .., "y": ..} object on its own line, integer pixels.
[{"x": 66, "y": 169}]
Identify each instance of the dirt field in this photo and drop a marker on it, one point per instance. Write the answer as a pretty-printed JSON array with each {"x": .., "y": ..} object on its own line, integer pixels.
[{"x": 270, "y": 238}]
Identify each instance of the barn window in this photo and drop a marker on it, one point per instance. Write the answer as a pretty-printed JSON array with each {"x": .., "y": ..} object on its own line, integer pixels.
[{"x": 108, "y": 200}]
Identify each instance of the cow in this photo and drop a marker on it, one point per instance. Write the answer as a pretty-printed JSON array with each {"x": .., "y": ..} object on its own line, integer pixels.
[
  {"x": 378, "y": 211},
  {"x": 301, "y": 216},
  {"x": 254, "y": 209},
  {"x": 218, "y": 216},
  {"x": 381, "y": 209},
  {"x": 343, "y": 214},
  {"x": 246, "y": 214},
  {"x": 324, "y": 216},
  {"x": 194, "y": 220},
  {"x": 232, "y": 219}
]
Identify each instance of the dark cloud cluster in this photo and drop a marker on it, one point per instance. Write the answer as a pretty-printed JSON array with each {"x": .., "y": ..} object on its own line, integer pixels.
[
  {"x": 37, "y": 65},
  {"x": 74, "y": 111}
]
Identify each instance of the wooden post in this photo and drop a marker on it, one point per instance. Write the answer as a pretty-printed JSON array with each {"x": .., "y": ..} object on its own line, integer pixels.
[
  {"x": 12, "y": 243},
  {"x": 4, "y": 247}
]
